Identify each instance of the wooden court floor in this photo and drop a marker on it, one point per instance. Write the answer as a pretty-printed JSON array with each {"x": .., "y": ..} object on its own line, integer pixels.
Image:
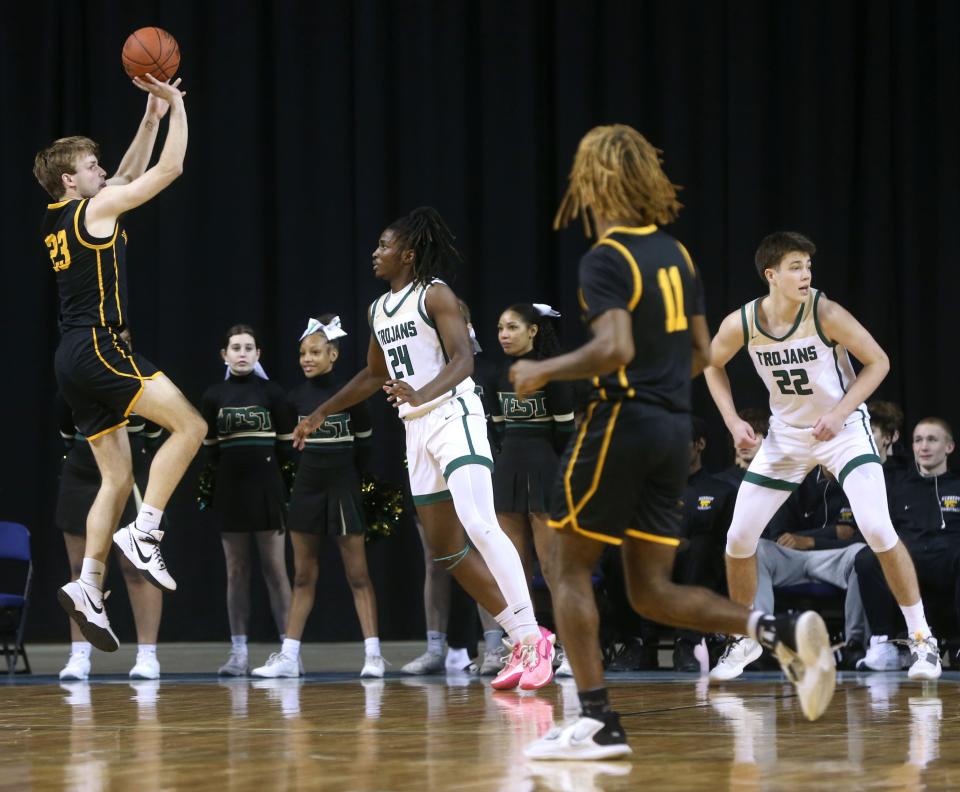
[{"x": 334, "y": 731}]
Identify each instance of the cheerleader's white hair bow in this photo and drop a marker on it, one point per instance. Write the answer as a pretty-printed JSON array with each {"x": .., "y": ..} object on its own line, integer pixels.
[
  {"x": 331, "y": 331},
  {"x": 257, "y": 369},
  {"x": 546, "y": 310}
]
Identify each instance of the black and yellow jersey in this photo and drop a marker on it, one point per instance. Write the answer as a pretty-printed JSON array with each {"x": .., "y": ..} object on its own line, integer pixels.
[
  {"x": 91, "y": 272},
  {"x": 648, "y": 273}
]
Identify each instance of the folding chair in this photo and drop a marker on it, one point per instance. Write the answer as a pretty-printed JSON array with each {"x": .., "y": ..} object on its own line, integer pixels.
[{"x": 16, "y": 565}]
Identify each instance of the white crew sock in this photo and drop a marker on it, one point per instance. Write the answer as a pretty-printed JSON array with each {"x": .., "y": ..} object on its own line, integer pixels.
[
  {"x": 239, "y": 643},
  {"x": 148, "y": 519},
  {"x": 916, "y": 620},
  {"x": 291, "y": 648},
  {"x": 457, "y": 659},
  {"x": 372, "y": 647},
  {"x": 80, "y": 648},
  {"x": 519, "y": 622},
  {"x": 147, "y": 649},
  {"x": 91, "y": 573},
  {"x": 435, "y": 642}
]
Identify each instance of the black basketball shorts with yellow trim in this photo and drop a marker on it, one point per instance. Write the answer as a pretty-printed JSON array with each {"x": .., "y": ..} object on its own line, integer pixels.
[
  {"x": 624, "y": 473},
  {"x": 100, "y": 378}
]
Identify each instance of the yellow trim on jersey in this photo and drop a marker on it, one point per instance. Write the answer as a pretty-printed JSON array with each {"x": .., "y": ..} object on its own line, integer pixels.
[
  {"x": 640, "y": 230},
  {"x": 686, "y": 255},
  {"x": 76, "y": 230},
  {"x": 103, "y": 320},
  {"x": 116, "y": 281},
  {"x": 574, "y": 510},
  {"x": 58, "y": 204},
  {"x": 666, "y": 540},
  {"x": 634, "y": 270},
  {"x": 107, "y": 431}
]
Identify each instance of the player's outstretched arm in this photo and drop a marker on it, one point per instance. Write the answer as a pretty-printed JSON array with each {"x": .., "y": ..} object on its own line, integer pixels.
[
  {"x": 726, "y": 343},
  {"x": 610, "y": 348},
  {"x": 443, "y": 308},
  {"x": 135, "y": 161},
  {"x": 839, "y": 325},
  {"x": 113, "y": 200},
  {"x": 364, "y": 384}
]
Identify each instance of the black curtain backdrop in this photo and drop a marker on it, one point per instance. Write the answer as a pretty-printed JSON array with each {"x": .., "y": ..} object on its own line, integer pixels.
[{"x": 313, "y": 125}]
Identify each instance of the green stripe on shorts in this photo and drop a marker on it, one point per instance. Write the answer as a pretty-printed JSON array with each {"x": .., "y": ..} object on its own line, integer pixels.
[
  {"x": 433, "y": 497},
  {"x": 771, "y": 483},
  {"x": 863, "y": 459}
]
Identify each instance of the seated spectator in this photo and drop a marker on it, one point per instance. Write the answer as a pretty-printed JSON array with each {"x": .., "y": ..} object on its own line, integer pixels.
[
  {"x": 886, "y": 420},
  {"x": 759, "y": 420},
  {"x": 925, "y": 509},
  {"x": 708, "y": 507}
]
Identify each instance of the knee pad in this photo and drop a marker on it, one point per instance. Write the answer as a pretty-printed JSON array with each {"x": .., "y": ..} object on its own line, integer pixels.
[
  {"x": 880, "y": 534},
  {"x": 742, "y": 540}
]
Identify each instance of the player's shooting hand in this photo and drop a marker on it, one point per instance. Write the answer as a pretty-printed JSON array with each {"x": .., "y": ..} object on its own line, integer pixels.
[
  {"x": 527, "y": 376},
  {"x": 399, "y": 392},
  {"x": 827, "y": 427},
  {"x": 305, "y": 428},
  {"x": 163, "y": 91},
  {"x": 743, "y": 435},
  {"x": 796, "y": 541},
  {"x": 157, "y": 106}
]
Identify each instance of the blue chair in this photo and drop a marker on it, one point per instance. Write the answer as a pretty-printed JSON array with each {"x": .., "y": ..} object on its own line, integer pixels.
[{"x": 14, "y": 557}]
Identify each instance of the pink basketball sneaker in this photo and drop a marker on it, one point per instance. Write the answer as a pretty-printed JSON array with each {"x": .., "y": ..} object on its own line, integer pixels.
[
  {"x": 538, "y": 661},
  {"x": 509, "y": 676}
]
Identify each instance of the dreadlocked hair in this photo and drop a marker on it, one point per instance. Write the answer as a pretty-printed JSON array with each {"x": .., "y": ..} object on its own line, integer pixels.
[
  {"x": 545, "y": 342},
  {"x": 616, "y": 175},
  {"x": 431, "y": 240}
]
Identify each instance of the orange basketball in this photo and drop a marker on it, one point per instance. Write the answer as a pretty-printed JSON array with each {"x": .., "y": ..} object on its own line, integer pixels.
[{"x": 151, "y": 50}]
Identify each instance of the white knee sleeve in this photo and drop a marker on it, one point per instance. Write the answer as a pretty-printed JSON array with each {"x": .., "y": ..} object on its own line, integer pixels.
[
  {"x": 866, "y": 490},
  {"x": 754, "y": 508},
  {"x": 472, "y": 490}
]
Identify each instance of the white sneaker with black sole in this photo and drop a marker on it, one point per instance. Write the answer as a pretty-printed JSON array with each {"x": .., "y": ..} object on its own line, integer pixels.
[
  {"x": 77, "y": 668},
  {"x": 278, "y": 665},
  {"x": 142, "y": 549},
  {"x": 740, "y": 652},
  {"x": 925, "y": 654},
  {"x": 584, "y": 738},
  {"x": 84, "y": 604}
]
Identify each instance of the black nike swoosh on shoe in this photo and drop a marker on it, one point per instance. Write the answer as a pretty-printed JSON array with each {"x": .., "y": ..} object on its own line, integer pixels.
[
  {"x": 144, "y": 558},
  {"x": 92, "y": 604}
]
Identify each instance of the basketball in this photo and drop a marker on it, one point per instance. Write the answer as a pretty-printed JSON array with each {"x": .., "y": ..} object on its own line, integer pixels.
[{"x": 151, "y": 50}]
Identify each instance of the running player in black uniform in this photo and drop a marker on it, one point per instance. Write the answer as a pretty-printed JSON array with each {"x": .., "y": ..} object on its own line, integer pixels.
[
  {"x": 249, "y": 425},
  {"x": 326, "y": 501},
  {"x": 100, "y": 377},
  {"x": 624, "y": 475}
]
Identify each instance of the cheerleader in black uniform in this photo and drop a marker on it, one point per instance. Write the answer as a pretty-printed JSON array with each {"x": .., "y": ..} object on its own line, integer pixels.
[
  {"x": 535, "y": 431},
  {"x": 249, "y": 426},
  {"x": 326, "y": 501},
  {"x": 79, "y": 484}
]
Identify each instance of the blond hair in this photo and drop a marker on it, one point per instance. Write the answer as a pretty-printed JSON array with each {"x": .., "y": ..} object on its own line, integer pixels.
[
  {"x": 616, "y": 175},
  {"x": 58, "y": 158}
]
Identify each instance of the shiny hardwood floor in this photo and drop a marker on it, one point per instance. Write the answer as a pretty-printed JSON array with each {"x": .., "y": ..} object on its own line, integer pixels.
[{"x": 333, "y": 731}]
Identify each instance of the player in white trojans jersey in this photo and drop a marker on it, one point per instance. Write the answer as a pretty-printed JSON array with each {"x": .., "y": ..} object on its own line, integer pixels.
[
  {"x": 420, "y": 354},
  {"x": 798, "y": 341}
]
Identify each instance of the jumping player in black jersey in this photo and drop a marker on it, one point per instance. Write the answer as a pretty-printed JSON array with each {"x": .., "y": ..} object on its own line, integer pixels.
[
  {"x": 623, "y": 476},
  {"x": 100, "y": 377},
  {"x": 248, "y": 429},
  {"x": 326, "y": 501}
]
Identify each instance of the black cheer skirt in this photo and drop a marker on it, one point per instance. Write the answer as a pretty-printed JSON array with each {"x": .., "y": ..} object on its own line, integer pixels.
[
  {"x": 326, "y": 501},
  {"x": 249, "y": 492},
  {"x": 525, "y": 473}
]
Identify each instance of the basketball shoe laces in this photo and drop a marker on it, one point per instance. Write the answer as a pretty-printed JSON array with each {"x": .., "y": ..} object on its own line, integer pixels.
[
  {"x": 148, "y": 538},
  {"x": 530, "y": 653}
]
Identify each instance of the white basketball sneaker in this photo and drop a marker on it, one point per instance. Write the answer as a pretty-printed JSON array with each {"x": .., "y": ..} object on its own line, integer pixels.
[
  {"x": 882, "y": 655},
  {"x": 142, "y": 549},
  {"x": 740, "y": 652},
  {"x": 77, "y": 668},
  {"x": 584, "y": 738},
  {"x": 925, "y": 654},
  {"x": 146, "y": 667},
  {"x": 427, "y": 663},
  {"x": 373, "y": 666},
  {"x": 278, "y": 665},
  {"x": 84, "y": 604},
  {"x": 236, "y": 665}
]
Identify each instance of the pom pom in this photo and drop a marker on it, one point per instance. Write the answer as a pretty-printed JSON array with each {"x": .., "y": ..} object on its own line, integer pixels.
[{"x": 382, "y": 507}]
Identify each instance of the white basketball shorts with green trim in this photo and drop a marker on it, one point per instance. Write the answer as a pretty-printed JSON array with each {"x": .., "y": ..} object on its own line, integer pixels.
[{"x": 451, "y": 435}]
